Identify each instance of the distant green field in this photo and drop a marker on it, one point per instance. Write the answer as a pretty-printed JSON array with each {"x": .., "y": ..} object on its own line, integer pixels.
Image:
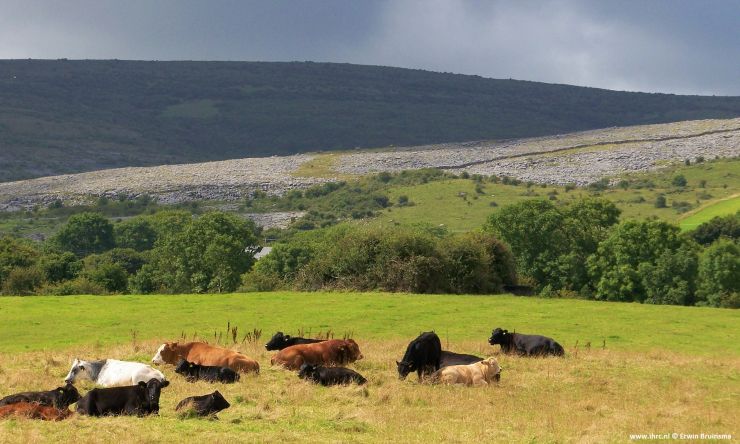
[
  {"x": 721, "y": 208},
  {"x": 456, "y": 204},
  {"x": 39, "y": 323}
]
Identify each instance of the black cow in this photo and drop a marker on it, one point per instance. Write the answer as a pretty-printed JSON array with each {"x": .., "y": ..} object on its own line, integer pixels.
[
  {"x": 204, "y": 405},
  {"x": 330, "y": 375},
  {"x": 423, "y": 355},
  {"x": 193, "y": 372},
  {"x": 60, "y": 397},
  {"x": 451, "y": 358},
  {"x": 280, "y": 341},
  {"x": 525, "y": 345},
  {"x": 141, "y": 399}
]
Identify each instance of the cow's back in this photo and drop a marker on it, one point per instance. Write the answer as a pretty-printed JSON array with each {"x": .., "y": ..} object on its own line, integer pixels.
[{"x": 209, "y": 355}]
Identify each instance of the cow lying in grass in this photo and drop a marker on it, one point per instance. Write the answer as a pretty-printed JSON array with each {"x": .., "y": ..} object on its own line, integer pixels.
[
  {"x": 111, "y": 372},
  {"x": 449, "y": 358},
  {"x": 203, "y": 405},
  {"x": 477, "y": 374},
  {"x": 327, "y": 376},
  {"x": 34, "y": 411},
  {"x": 331, "y": 352},
  {"x": 141, "y": 399},
  {"x": 205, "y": 354},
  {"x": 194, "y": 372},
  {"x": 525, "y": 345},
  {"x": 60, "y": 397},
  {"x": 280, "y": 341}
]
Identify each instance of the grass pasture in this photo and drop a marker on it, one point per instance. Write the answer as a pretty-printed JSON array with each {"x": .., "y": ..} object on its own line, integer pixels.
[
  {"x": 663, "y": 369},
  {"x": 720, "y": 208}
]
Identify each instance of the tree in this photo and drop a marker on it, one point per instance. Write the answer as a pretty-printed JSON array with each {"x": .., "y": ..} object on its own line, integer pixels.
[
  {"x": 719, "y": 226},
  {"x": 209, "y": 255},
  {"x": 660, "y": 201},
  {"x": 551, "y": 244},
  {"x": 58, "y": 267},
  {"x": 15, "y": 253},
  {"x": 719, "y": 274},
  {"x": 84, "y": 234},
  {"x": 679, "y": 181},
  {"x": 642, "y": 260},
  {"x": 136, "y": 233}
]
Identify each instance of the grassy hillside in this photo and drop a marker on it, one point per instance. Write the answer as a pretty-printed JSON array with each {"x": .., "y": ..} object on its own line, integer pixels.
[
  {"x": 60, "y": 116},
  {"x": 456, "y": 203},
  {"x": 723, "y": 207},
  {"x": 655, "y": 374}
]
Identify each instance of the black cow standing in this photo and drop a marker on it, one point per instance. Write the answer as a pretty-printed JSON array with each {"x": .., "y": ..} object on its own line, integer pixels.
[
  {"x": 525, "y": 345},
  {"x": 141, "y": 399},
  {"x": 60, "y": 397},
  {"x": 280, "y": 341},
  {"x": 204, "y": 405},
  {"x": 194, "y": 372},
  {"x": 423, "y": 355},
  {"x": 330, "y": 375},
  {"x": 451, "y": 358}
]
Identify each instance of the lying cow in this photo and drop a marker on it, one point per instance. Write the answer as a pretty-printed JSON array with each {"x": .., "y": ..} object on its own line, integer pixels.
[
  {"x": 203, "y": 405},
  {"x": 32, "y": 410},
  {"x": 449, "y": 358},
  {"x": 477, "y": 374},
  {"x": 60, "y": 397},
  {"x": 195, "y": 372},
  {"x": 111, "y": 372},
  {"x": 140, "y": 399},
  {"x": 331, "y": 352},
  {"x": 525, "y": 345},
  {"x": 330, "y": 375},
  {"x": 280, "y": 341},
  {"x": 205, "y": 354},
  {"x": 423, "y": 355}
]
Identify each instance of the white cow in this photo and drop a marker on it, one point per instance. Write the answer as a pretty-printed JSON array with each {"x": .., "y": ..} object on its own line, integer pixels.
[{"x": 110, "y": 372}]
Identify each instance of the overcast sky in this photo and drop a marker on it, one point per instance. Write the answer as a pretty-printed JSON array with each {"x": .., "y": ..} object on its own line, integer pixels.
[{"x": 677, "y": 46}]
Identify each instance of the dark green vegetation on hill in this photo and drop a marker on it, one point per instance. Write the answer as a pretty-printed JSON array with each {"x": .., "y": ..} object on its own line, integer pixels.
[{"x": 69, "y": 116}]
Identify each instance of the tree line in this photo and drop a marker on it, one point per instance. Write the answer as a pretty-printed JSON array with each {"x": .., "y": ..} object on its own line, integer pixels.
[{"x": 579, "y": 250}]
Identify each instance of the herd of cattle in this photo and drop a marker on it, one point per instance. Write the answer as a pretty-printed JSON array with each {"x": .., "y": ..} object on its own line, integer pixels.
[{"x": 133, "y": 388}]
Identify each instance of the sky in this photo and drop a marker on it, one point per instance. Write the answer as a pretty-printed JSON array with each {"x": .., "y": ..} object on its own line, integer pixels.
[{"x": 672, "y": 46}]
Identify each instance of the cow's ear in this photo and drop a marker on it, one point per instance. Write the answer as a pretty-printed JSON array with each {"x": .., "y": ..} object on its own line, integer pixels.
[
  {"x": 398, "y": 363},
  {"x": 142, "y": 384},
  {"x": 165, "y": 383}
]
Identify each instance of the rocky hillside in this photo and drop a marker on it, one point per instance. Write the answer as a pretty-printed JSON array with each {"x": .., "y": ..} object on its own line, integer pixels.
[
  {"x": 71, "y": 116},
  {"x": 578, "y": 158}
]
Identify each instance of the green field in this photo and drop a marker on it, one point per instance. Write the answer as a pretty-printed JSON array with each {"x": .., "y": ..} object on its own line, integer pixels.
[
  {"x": 629, "y": 368},
  {"x": 456, "y": 204},
  {"x": 706, "y": 213}
]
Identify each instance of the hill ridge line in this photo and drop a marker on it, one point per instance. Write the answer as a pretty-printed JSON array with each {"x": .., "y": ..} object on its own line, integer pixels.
[{"x": 586, "y": 145}]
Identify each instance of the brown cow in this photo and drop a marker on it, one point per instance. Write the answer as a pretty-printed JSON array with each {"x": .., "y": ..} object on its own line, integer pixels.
[
  {"x": 34, "y": 411},
  {"x": 331, "y": 352},
  {"x": 205, "y": 354}
]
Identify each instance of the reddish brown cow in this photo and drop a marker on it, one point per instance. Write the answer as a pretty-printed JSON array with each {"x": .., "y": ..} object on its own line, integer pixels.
[
  {"x": 34, "y": 411},
  {"x": 205, "y": 354},
  {"x": 331, "y": 352}
]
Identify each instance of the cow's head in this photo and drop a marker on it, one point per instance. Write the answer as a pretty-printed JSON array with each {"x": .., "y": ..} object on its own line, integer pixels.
[
  {"x": 153, "y": 390},
  {"x": 218, "y": 402},
  {"x": 65, "y": 396},
  {"x": 80, "y": 370},
  {"x": 353, "y": 350},
  {"x": 404, "y": 368},
  {"x": 306, "y": 371},
  {"x": 278, "y": 341},
  {"x": 491, "y": 369},
  {"x": 166, "y": 354},
  {"x": 182, "y": 366},
  {"x": 499, "y": 336}
]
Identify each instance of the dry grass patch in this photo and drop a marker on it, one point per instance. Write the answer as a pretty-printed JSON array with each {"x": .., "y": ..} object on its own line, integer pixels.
[{"x": 591, "y": 395}]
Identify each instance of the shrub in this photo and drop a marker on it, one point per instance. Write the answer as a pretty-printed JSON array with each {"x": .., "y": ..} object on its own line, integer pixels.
[
  {"x": 679, "y": 181},
  {"x": 719, "y": 226},
  {"x": 719, "y": 273},
  {"x": 660, "y": 201},
  {"x": 22, "y": 281}
]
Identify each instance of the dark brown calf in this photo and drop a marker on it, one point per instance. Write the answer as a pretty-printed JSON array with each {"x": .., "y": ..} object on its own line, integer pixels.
[{"x": 331, "y": 352}]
